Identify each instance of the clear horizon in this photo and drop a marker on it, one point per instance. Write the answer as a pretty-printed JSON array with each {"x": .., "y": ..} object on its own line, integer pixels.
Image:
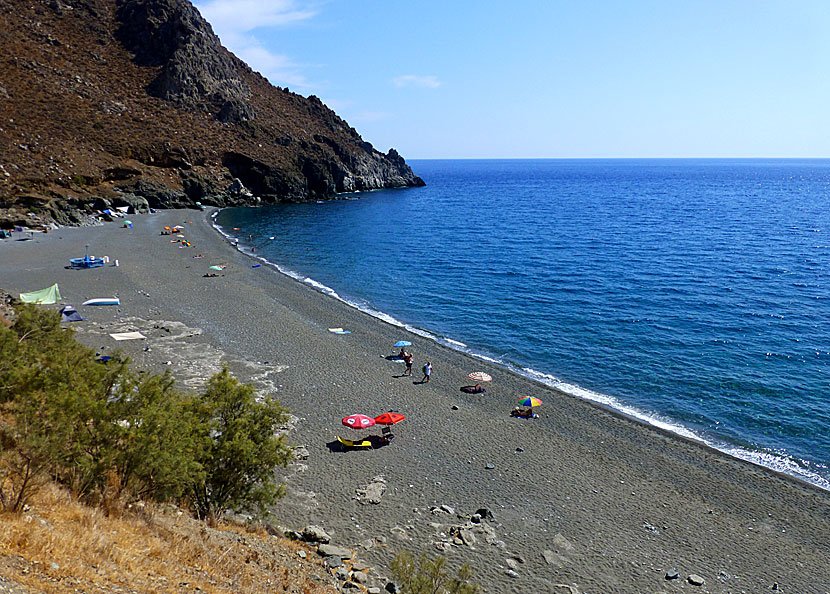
[{"x": 598, "y": 79}]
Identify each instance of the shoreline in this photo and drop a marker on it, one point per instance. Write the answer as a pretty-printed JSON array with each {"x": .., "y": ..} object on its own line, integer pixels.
[
  {"x": 604, "y": 401},
  {"x": 612, "y": 502}
]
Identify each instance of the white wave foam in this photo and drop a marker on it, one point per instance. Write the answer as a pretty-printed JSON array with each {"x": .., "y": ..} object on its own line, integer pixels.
[{"x": 777, "y": 461}]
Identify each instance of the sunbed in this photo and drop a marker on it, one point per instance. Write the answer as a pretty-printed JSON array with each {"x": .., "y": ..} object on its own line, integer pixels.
[{"x": 354, "y": 444}]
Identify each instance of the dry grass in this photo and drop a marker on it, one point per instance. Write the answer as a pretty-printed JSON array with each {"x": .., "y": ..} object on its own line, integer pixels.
[{"x": 60, "y": 545}]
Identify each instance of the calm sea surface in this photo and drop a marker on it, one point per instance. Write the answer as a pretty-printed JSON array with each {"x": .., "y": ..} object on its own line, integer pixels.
[{"x": 693, "y": 294}]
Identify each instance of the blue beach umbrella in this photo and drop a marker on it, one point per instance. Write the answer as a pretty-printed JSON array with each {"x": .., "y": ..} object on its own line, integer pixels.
[{"x": 402, "y": 343}]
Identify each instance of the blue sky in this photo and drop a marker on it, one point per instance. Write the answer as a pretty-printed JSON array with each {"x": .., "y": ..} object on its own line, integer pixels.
[{"x": 552, "y": 79}]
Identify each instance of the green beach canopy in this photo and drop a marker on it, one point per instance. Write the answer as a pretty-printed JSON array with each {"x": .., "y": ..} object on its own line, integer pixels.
[{"x": 44, "y": 296}]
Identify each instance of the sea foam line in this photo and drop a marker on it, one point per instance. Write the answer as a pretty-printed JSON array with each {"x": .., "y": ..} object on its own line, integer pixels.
[{"x": 779, "y": 462}]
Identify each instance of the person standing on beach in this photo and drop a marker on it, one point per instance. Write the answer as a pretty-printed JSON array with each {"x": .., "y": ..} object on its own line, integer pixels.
[
  {"x": 407, "y": 358},
  {"x": 427, "y": 372}
]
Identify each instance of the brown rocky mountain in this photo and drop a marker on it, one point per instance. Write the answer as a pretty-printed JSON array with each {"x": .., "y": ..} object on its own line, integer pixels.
[{"x": 136, "y": 102}]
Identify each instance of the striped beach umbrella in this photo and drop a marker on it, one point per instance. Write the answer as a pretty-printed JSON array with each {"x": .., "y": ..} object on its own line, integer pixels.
[
  {"x": 530, "y": 401},
  {"x": 479, "y": 376}
]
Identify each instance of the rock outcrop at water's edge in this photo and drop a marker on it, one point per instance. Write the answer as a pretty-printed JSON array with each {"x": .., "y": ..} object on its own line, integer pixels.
[{"x": 107, "y": 103}]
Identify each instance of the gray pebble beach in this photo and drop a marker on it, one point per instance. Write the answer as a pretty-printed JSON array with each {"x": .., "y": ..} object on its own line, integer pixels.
[{"x": 581, "y": 499}]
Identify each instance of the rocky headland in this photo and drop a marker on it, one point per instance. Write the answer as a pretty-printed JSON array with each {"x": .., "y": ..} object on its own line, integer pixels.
[{"x": 113, "y": 103}]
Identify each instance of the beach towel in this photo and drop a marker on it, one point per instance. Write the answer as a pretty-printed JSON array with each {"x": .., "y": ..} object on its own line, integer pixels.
[
  {"x": 45, "y": 296},
  {"x": 339, "y": 331},
  {"x": 128, "y": 335}
]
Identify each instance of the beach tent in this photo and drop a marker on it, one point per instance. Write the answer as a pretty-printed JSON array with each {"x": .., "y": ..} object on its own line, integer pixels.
[
  {"x": 70, "y": 314},
  {"x": 45, "y": 296}
]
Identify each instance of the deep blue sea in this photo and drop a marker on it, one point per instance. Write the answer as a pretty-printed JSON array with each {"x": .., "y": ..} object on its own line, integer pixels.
[{"x": 694, "y": 294}]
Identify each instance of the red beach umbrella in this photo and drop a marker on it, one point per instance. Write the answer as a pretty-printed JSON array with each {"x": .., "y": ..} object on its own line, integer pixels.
[
  {"x": 358, "y": 421},
  {"x": 389, "y": 418}
]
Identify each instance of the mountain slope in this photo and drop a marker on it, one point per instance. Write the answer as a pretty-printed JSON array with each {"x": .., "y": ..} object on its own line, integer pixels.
[{"x": 135, "y": 102}]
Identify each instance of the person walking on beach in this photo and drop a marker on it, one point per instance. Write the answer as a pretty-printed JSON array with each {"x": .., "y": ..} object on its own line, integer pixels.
[
  {"x": 407, "y": 358},
  {"x": 427, "y": 372}
]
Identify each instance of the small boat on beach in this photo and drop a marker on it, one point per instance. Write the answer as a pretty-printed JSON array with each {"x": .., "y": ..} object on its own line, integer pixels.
[
  {"x": 103, "y": 301},
  {"x": 86, "y": 262}
]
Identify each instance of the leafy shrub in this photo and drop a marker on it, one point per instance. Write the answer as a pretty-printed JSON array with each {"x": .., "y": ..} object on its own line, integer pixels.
[
  {"x": 244, "y": 449},
  {"x": 430, "y": 576},
  {"x": 110, "y": 435}
]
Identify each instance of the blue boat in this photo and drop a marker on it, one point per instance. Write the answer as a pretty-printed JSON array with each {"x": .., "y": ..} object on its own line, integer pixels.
[{"x": 86, "y": 262}]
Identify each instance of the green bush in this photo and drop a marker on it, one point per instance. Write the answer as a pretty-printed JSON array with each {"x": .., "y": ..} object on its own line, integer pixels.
[
  {"x": 430, "y": 576},
  {"x": 244, "y": 449},
  {"x": 108, "y": 434}
]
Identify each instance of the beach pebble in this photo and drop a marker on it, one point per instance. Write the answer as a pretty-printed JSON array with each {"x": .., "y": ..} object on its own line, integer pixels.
[
  {"x": 485, "y": 514},
  {"x": 695, "y": 579},
  {"x": 301, "y": 554},
  {"x": 511, "y": 563},
  {"x": 374, "y": 590},
  {"x": 490, "y": 466},
  {"x": 512, "y": 574},
  {"x": 455, "y": 407},
  {"x": 329, "y": 550},
  {"x": 373, "y": 492},
  {"x": 520, "y": 450},
  {"x": 313, "y": 533},
  {"x": 359, "y": 577},
  {"x": 342, "y": 574},
  {"x": 672, "y": 574}
]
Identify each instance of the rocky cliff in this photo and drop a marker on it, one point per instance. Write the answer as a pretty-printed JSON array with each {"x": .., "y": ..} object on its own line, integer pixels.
[{"x": 136, "y": 103}]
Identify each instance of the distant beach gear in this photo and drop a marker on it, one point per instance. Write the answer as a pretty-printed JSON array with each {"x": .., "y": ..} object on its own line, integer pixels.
[
  {"x": 479, "y": 376},
  {"x": 45, "y": 296},
  {"x": 530, "y": 401},
  {"x": 128, "y": 336},
  {"x": 128, "y": 224},
  {"x": 70, "y": 314},
  {"x": 255, "y": 265},
  {"x": 358, "y": 421},
  {"x": 103, "y": 301},
  {"x": 402, "y": 343},
  {"x": 218, "y": 267},
  {"x": 389, "y": 418},
  {"x": 86, "y": 262},
  {"x": 339, "y": 331},
  {"x": 354, "y": 444}
]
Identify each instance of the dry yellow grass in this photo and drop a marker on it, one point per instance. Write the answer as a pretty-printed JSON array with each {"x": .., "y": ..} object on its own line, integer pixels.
[{"x": 59, "y": 545}]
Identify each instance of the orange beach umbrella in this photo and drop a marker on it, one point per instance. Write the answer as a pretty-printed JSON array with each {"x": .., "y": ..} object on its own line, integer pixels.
[{"x": 389, "y": 418}]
